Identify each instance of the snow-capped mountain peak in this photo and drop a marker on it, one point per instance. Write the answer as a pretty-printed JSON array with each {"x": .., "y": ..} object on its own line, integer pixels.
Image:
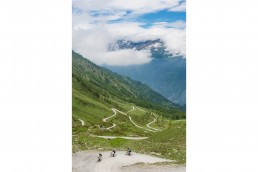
[{"x": 140, "y": 45}]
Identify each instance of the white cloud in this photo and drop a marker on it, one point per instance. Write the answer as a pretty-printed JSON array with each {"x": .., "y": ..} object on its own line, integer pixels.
[
  {"x": 92, "y": 33},
  {"x": 135, "y": 6},
  {"x": 126, "y": 57},
  {"x": 179, "y": 8},
  {"x": 177, "y": 24}
]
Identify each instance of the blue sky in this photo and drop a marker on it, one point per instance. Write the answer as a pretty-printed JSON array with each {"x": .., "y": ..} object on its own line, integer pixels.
[
  {"x": 150, "y": 18},
  {"x": 98, "y": 23},
  {"x": 162, "y": 16},
  {"x": 165, "y": 14}
]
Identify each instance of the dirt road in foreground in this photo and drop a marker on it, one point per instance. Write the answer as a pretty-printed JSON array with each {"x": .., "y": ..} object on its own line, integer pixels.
[{"x": 86, "y": 161}]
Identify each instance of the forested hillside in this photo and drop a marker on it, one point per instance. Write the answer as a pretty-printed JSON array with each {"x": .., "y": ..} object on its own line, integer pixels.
[{"x": 103, "y": 84}]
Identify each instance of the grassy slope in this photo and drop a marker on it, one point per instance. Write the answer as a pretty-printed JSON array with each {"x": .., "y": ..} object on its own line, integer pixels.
[
  {"x": 92, "y": 103},
  {"x": 169, "y": 143},
  {"x": 104, "y": 83},
  {"x": 140, "y": 117}
]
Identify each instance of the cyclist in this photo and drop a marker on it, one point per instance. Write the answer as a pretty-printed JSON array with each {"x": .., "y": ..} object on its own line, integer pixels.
[
  {"x": 113, "y": 153},
  {"x": 100, "y": 157},
  {"x": 129, "y": 151}
]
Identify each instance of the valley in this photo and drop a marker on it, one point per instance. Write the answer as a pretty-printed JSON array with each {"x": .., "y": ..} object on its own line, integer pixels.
[
  {"x": 165, "y": 73},
  {"x": 111, "y": 111}
]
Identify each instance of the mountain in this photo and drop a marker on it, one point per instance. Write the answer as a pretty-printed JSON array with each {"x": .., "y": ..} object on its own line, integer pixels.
[
  {"x": 141, "y": 45},
  {"x": 166, "y": 73},
  {"x": 99, "y": 83},
  {"x": 106, "y": 104}
]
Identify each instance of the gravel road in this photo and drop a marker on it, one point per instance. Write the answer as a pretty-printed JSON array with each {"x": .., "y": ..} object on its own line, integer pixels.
[{"x": 86, "y": 161}]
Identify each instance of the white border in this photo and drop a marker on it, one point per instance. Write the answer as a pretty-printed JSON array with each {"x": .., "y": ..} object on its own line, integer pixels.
[
  {"x": 35, "y": 94},
  {"x": 222, "y": 86}
]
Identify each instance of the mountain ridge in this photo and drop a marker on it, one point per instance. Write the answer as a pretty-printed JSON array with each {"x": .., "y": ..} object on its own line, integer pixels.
[
  {"x": 165, "y": 73},
  {"x": 100, "y": 81}
]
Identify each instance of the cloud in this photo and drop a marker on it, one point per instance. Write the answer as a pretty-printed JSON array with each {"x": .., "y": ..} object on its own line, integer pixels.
[
  {"x": 178, "y": 24},
  {"x": 134, "y": 6},
  {"x": 179, "y": 8},
  {"x": 92, "y": 31},
  {"x": 129, "y": 57}
]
